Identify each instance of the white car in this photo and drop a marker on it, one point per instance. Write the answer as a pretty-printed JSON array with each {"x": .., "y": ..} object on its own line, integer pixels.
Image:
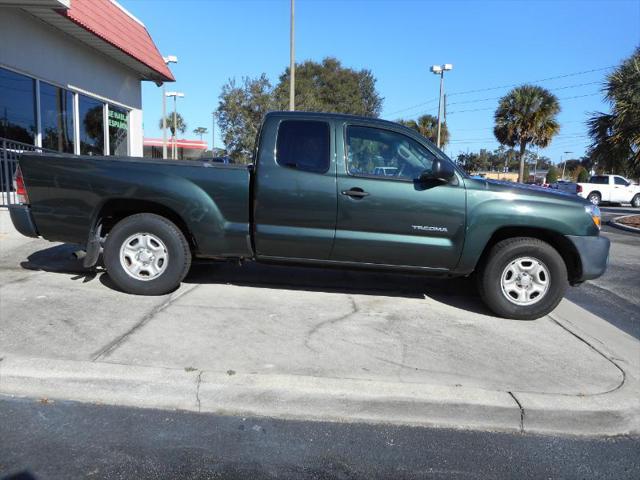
[{"x": 610, "y": 188}]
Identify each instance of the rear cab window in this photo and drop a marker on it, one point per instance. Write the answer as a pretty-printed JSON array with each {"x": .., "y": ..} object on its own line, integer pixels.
[
  {"x": 599, "y": 179},
  {"x": 304, "y": 145}
]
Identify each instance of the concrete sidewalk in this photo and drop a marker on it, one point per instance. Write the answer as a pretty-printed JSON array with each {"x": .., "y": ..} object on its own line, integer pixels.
[{"x": 310, "y": 344}]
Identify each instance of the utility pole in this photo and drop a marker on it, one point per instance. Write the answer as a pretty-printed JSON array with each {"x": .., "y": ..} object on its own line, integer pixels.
[
  {"x": 564, "y": 164},
  {"x": 439, "y": 70},
  {"x": 292, "y": 61}
]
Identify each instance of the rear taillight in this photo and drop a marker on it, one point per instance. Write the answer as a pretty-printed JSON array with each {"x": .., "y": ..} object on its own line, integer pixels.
[
  {"x": 578, "y": 188},
  {"x": 21, "y": 190}
]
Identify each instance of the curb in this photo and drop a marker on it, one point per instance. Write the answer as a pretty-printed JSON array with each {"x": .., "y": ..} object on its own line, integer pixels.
[
  {"x": 615, "y": 223},
  {"x": 616, "y": 412}
]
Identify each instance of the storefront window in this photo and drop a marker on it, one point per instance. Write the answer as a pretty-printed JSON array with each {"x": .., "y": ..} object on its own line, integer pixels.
[
  {"x": 91, "y": 126},
  {"x": 17, "y": 107},
  {"x": 56, "y": 107},
  {"x": 118, "y": 131}
]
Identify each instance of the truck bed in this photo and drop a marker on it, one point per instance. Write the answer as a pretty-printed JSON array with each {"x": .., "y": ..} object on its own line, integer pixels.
[{"x": 70, "y": 194}]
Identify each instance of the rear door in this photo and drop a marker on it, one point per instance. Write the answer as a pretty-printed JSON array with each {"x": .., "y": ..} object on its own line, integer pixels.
[
  {"x": 295, "y": 188},
  {"x": 387, "y": 217}
]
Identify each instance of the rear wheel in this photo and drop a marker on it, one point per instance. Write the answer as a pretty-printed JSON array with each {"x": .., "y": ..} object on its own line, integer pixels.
[
  {"x": 595, "y": 198},
  {"x": 635, "y": 202},
  {"x": 523, "y": 278},
  {"x": 146, "y": 254}
]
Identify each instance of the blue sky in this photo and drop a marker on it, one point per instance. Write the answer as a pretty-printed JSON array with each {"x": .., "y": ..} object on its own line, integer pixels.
[{"x": 490, "y": 44}]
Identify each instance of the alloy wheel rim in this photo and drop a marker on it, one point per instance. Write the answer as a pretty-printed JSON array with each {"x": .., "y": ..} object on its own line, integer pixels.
[
  {"x": 594, "y": 199},
  {"x": 525, "y": 281},
  {"x": 144, "y": 256}
]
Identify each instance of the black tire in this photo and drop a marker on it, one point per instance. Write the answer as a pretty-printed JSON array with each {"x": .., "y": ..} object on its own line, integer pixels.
[
  {"x": 595, "y": 198},
  {"x": 177, "y": 249},
  {"x": 502, "y": 255},
  {"x": 635, "y": 201}
]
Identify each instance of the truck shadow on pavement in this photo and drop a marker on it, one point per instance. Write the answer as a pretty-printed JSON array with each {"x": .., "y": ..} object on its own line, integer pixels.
[{"x": 457, "y": 292}]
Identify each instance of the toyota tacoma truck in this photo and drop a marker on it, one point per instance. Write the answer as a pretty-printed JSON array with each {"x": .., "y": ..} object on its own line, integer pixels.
[
  {"x": 323, "y": 190},
  {"x": 610, "y": 188}
]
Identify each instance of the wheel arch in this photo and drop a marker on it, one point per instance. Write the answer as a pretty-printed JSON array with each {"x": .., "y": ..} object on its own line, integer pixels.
[
  {"x": 116, "y": 209},
  {"x": 560, "y": 243}
]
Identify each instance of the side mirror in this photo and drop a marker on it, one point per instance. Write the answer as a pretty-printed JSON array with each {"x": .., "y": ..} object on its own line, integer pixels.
[{"x": 441, "y": 171}]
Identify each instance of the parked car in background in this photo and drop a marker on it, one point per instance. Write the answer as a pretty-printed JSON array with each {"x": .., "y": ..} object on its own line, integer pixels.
[
  {"x": 226, "y": 160},
  {"x": 565, "y": 186},
  {"x": 610, "y": 188},
  {"x": 315, "y": 195}
]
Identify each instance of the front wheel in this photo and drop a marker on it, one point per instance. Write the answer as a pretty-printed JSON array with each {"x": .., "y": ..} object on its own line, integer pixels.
[
  {"x": 146, "y": 254},
  {"x": 523, "y": 278},
  {"x": 635, "y": 202}
]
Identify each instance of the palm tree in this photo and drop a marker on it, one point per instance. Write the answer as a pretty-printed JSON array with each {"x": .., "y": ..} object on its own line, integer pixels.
[
  {"x": 200, "y": 131},
  {"x": 427, "y": 126},
  {"x": 616, "y": 135},
  {"x": 180, "y": 125},
  {"x": 526, "y": 116}
]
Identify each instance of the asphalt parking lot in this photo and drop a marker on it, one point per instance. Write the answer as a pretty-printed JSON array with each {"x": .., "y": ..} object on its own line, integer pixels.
[{"x": 308, "y": 343}]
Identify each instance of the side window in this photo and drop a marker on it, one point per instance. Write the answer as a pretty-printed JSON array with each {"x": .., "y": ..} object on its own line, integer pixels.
[
  {"x": 600, "y": 180},
  {"x": 303, "y": 145},
  {"x": 374, "y": 152},
  {"x": 620, "y": 181}
]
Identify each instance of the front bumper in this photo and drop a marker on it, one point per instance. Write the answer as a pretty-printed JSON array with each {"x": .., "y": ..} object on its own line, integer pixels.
[
  {"x": 23, "y": 220},
  {"x": 593, "y": 253}
]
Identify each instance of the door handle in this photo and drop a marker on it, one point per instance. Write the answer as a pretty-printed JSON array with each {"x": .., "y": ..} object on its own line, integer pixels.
[{"x": 355, "y": 192}]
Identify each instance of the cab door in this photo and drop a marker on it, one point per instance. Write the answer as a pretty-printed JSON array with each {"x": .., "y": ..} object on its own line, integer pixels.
[
  {"x": 386, "y": 215},
  {"x": 294, "y": 211}
]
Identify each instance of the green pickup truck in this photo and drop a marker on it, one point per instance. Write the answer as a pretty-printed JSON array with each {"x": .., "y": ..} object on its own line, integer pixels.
[{"x": 324, "y": 189}]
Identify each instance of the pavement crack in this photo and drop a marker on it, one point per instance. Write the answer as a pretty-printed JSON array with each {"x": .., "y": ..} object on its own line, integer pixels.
[
  {"x": 332, "y": 321},
  {"x": 595, "y": 349},
  {"x": 120, "y": 339},
  {"x": 198, "y": 382},
  {"x": 515, "y": 399}
]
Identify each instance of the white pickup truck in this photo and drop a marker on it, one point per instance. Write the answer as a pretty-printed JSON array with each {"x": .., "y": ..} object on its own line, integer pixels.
[{"x": 610, "y": 188}]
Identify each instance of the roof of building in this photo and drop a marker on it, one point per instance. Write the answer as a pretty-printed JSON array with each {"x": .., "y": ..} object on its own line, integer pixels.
[{"x": 106, "y": 26}]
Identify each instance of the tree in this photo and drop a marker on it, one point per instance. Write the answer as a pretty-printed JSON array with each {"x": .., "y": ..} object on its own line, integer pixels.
[
  {"x": 200, "y": 131},
  {"x": 526, "y": 116},
  {"x": 330, "y": 87},
  {"x": 582, "y": 175},
  {"x": 240, "y": 112},
  {"x": 180, "y": 126},
  {"x": 552, "y": 174},
  {"x": 427, "y": 126},
  {"x": 616, "y": 135}
]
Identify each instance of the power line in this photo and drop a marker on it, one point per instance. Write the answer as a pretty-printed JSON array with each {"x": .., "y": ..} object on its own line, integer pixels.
[
  {"x": 492, "y": 108},
  {"x": 557, "y": 77}
]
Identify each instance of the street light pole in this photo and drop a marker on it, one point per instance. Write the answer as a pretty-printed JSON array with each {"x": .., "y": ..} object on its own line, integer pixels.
[
  {"x": 213, "y": 133},
  {"x": 167, "y": 61},
  {"x": 174, "y": 146},
  {"x": 174, "y": 150},
  {"x": 292, "y": 61},
  {"x": 439, "y": 70}
]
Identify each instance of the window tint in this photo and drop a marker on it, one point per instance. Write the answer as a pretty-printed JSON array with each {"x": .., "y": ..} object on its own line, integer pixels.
[
  {"x": 17, "y": 107},
  {"x": 56, "y": 107},
  {"x": 620, "y": 181},
  {"x": 382, "y": 153},
  {"x": 599, "y": 179},
  {"x": 303, "y": 145},
  {"x": 91, "y": 126}
]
